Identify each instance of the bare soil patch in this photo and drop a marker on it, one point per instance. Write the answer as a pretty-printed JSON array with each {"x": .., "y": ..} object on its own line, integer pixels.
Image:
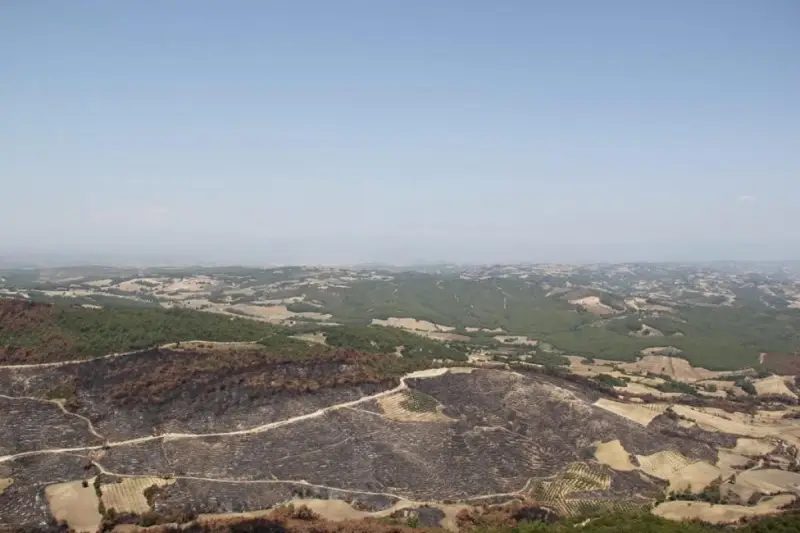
[
  {"x": 770, "y": 480},
  {"x": 675, "y": 367},
  {"x": 720, "y": 514},
  {"x": 593, "y": 305},
  {"x": 412, "y": 324},
  {"x": 774, "y": 386},
  {"x": 753, "y": 447},
  {"x": 695, "y": 477},
  {"x": 664, "y": 465},
  {"x": 613, "y": 454},
  {"x": 75, "y": 504},
  {"x": 5, "y": 483}
]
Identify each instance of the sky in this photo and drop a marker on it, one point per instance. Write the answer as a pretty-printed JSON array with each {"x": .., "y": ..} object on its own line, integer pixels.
[{"x": 269, "y": 132}]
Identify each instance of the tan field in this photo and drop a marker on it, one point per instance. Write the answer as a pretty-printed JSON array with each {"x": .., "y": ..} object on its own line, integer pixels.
[
  {"x": 644, "y": 390},
  {"x": 753, "y": 447},
  {"x": 720, "y": 514},
  {"x": 614, "y": 455},
  {"x": 728, "y": 461},
  {"x": 764, "y": 424},
  {"x": 641, "y": 414},
  {"x": 412, "y": 324},
  {"x": 695, "y": 477},
  {"x": 127, "y": 496},
  {"x": 276, "y": 313},
  {"x": 441, "y": 336},
  {"x": 674, "y": 367},
  {"x": 774, "y": 385},
  {"x": 5, "y": 483},
  {"x": 664, "y": 465},
  {"x": 593, "y": 305},
  {"x": 770, "y": 481},
  {"x": 75, "y": 504}
]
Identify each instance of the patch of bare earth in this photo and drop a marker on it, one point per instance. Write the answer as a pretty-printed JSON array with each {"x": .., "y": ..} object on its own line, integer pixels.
[
  {"x": 614, "y": 455},
  {"x": 721, "y": 514},
  {"x": 412, "y": 324},
  {"x": 674, "y": 367},
  {"x": 770, "y": 481},
  {"x": 274, "y": 313},
  {"x": 593, "y": 305},
  {"x": 74, "y": 504},
  {"x": 5, "y": 483},
  {"x": 774, "y": 386}
]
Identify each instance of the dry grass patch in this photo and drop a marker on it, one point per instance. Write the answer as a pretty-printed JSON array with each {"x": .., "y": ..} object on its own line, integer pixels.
[
  {"x": 614, "y": 455},
  {"x": 728, "y": 461},
  {"x": 275, "y": 313},
  {"x": 74, "y": 504},
  {"x": 720, "y": 514},
  {"x": 753, "y": 447},
  {"x": 412, "y": 324},
  {"x": 675, "y": 367},
  {"x": 5, "y": 483},
  {"x": 643, "y": 390},
  {"x": 773, "y": 385},
  {"x": 770, "y": 481},
  {"x": 640, "y": 413},
  {"x": 127, "y": 496},
  {"x": 694, "y": 477},
  {"x": 593, "y": 305}
]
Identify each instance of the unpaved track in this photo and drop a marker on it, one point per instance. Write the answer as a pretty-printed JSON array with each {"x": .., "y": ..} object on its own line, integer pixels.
[
  {"x": 258, "y": 429},
  {"x": 305, "y": 483},
  {"x": 60, "y": 406}
]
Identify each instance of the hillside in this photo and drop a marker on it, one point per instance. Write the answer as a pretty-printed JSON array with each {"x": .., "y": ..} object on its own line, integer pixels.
[
  {"x": 719, "y": 317},
  {"x": 364, "y": 416}
]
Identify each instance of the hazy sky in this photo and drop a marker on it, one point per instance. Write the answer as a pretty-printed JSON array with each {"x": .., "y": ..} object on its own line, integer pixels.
[{"x": 343, "y": 131}]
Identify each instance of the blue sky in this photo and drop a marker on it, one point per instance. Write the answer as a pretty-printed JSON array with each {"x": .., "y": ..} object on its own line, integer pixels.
[{"x": 328, "y": 132}]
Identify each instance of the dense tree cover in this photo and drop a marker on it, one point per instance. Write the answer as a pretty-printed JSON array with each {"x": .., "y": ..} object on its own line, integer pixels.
[
  {"x": 713, "y": 337},
  {"x": 386, "y": 339},
  {"x": 32, "y": 333},
  {"x": 36, "y": 333}
]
